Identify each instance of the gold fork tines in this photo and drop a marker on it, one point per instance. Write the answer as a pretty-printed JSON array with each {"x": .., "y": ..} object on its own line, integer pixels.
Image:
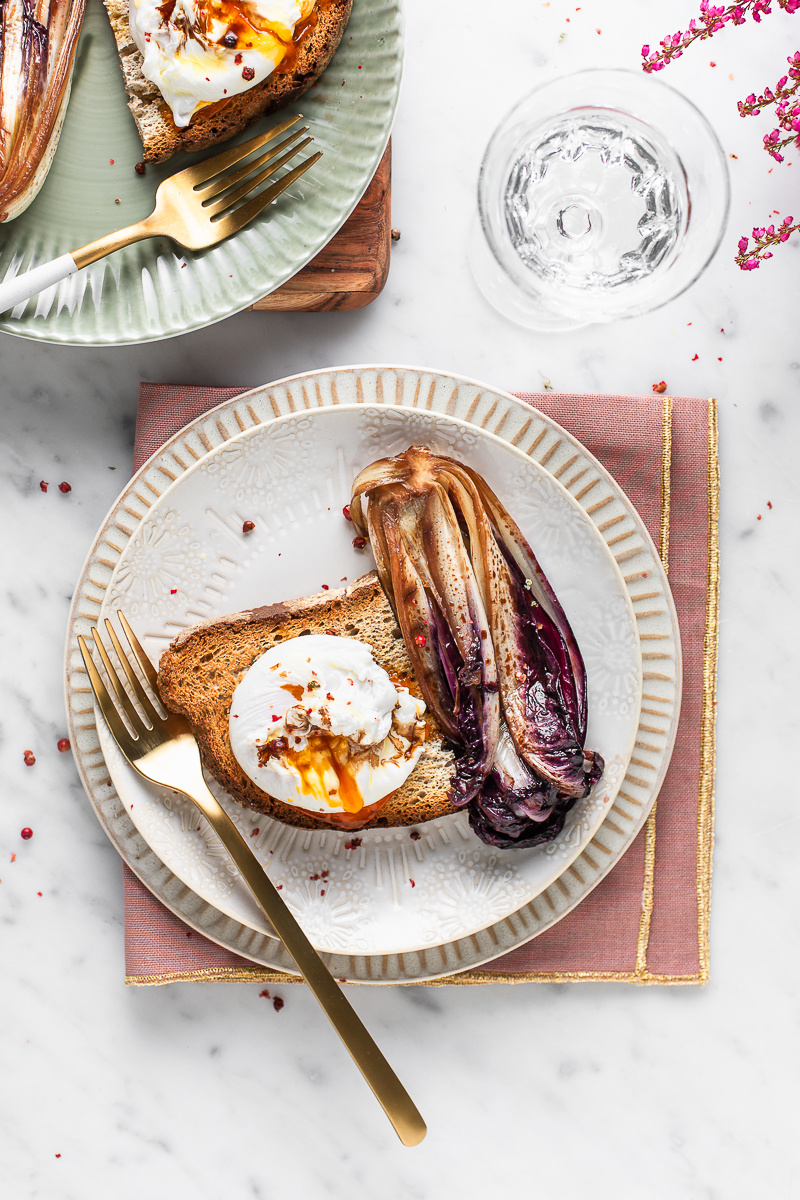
[
  {"x": 162, "y": 748},
  {"x": 182, "y": 209}
]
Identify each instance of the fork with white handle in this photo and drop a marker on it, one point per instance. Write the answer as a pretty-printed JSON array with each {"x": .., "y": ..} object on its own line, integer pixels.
[
  {"x": 164, "y": 750},
  {"x": 195, "y": 208}
]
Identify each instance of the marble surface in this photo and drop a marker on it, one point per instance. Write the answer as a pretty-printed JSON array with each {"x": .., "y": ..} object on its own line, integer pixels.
[{"x": 585, "y": 1089}]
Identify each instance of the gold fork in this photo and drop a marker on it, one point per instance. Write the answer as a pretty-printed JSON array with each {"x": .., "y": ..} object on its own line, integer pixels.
[
  {"x": 193, "y": 207},
  {"x": 164, "y": 750}
]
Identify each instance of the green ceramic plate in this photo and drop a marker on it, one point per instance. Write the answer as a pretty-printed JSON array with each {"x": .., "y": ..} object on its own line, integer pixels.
[{"x": 154, "y": 289}]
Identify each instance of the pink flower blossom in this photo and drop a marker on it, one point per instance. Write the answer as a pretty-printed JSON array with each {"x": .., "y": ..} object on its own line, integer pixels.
[{"x": 785, "y": 98}]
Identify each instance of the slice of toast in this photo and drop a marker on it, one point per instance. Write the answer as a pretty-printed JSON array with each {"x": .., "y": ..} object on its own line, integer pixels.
[
  {"x": 161, "y": 138},
  {"x": 197, "y": 676}
]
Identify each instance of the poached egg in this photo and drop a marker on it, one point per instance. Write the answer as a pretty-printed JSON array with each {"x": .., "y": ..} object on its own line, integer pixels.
[
  {"x": 317, "y": 723},
  {"x": 200, "y": 52}
]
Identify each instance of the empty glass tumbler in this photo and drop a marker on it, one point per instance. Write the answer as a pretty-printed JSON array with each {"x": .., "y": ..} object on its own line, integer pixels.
[{"x": 602, "y": 195}]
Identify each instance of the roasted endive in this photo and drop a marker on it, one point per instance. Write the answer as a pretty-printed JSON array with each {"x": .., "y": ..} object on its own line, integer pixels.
[
  {"x": 37, "y": 55},
  {"x": 491, "y": 647}
]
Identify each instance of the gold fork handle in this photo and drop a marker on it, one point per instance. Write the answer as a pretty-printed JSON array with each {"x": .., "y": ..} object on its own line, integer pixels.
[
  {"x": 394, "y": 1099},
  {"x": 93, "y": 251}
]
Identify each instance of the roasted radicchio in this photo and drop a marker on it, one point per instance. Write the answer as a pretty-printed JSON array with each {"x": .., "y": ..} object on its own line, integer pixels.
[
  {"x": 491, "y": 648},
  {"x": 37, "y": 54}
]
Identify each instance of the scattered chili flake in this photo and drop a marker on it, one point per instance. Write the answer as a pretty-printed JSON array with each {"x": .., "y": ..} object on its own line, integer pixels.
[
  {"x": 13, "y": 857},
  {"x": 139, "y": 168},
  {"x": 111, "y": 161},
  {"x": 758, "y": 518},
  {"x": 733, "y": 155},
  {"x": 65, "y": 487},
  {"x": 58, "y": 1156},
  {"x": 353, "y": 844},
  {"x": 173, "y": 591},
  {"x": 695, "y": 357},
  {"x": 278, "y": 1003},
  {"x": 660, "y": 387},
  {"x": 359, "y": 543},
  {"x": 275, "y": 717},
  {"x": 420, "y": 639},
  {"x": 328, "y": 695},
  {"x": 413, "y": 884},
  {"x": 769, "y": 504},
  {"x": 255, "y": 832},
  {"x": 322, "y": 891},
  {"x": 63, "y": 745},
  {"x": 415, "y": 835},
  {"x": 38, "y": 893},
  {"x": 117, "y": 200},
  {"x": 43, "y": 485},
  {"x": 719, "y": 360},
  {"x": 248, "y": 526},
  {"x": 325, "y": 587},
  {"x": 598, "y": 31},
  {"x": 28, "y": 758},
  {"x": 248, "y": 73},
  {"x": 346, "y": 511},
  {"x": 278, "y": 887},
  {"x": 265, "y": 994},
  {"x": 26, "y": 834}
]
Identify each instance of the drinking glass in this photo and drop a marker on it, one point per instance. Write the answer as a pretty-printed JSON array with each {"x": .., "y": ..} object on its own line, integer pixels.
[{"x": 603, "y": 194}]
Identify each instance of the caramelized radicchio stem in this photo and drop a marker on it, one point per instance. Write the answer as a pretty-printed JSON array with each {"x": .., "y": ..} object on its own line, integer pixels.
[
  {"x": 490, "y": 645},
  {"x": 37, "y": 51}
]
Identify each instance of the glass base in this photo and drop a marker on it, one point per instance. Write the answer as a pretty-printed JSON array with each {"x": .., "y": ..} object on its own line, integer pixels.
[{"x": 519, "y": 306}]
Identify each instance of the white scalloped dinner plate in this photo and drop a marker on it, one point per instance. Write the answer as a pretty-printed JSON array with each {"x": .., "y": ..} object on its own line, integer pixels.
[
  {"x": 171, "y": 552},
  {"x": 154, "y": 289}
]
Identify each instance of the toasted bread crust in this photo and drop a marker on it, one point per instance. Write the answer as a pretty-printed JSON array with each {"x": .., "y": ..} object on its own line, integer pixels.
[
  {"x": 197, "y": 676},
  {"x": 160, "y": 136}
]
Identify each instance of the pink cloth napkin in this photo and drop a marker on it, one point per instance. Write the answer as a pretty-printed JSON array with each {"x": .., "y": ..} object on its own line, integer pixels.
[{"x": 647, "y": 921}]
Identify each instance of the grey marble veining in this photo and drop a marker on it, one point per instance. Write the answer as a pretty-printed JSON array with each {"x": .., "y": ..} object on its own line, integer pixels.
[{"x": 603, "y": 1090}]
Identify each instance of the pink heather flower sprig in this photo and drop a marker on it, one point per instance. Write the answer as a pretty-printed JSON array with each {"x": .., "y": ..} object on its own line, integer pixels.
[
  {"x": 785, "y": 97},
  {"x": 787, "y": 109},
  {"x": 713, "y": 17},
  {"x": 750, "y": 259}
]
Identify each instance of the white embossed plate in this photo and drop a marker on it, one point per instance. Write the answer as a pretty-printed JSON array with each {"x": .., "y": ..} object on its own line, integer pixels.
[
  {"x": 154, "y": 289},
  {"x": 183, "y": 557}
]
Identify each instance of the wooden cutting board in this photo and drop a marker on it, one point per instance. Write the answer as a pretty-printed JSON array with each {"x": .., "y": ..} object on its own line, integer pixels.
[{"x": 352, "y": 269}]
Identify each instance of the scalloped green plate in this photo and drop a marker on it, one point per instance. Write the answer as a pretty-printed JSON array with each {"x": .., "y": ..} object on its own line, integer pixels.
[{"x": 154, "y": 289}]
